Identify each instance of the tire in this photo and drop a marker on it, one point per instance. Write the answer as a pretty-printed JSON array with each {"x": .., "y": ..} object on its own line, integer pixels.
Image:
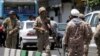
[
  {"x": 20, "y": 39},
  {"x": 52, "y": 46},
  {"x": 17, "y": 45},
  {"x": 23, "y": 46},
  {"x": 60, "y": 44}
]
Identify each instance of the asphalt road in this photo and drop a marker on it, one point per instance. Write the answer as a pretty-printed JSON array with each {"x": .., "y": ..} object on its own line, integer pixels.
[{"x": 57, "y": 51}]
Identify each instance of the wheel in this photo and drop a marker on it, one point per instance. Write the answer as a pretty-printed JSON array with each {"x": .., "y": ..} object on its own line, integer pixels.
[
  {"x": 23, "y": 46},
  {"x": 60, "y": 44},
  {"x": 18, "y": 42},
  {"x": 52, "y": 46},
  {"x": 20, "y": 39}
]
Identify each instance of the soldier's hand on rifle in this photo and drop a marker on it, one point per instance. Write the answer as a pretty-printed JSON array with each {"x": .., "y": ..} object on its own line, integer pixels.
[
  {"x": 42, "y": 29},
  {"x": 10, "y": 32},
  {"x": 39, "y": 28}
]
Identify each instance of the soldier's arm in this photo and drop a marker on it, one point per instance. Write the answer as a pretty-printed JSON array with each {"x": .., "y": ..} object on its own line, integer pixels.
[
  {"x": 97, "y": 33},
  {"x": 36, "y": 24},
  {"x": 16, "y": 27},
  {"x": 89, "y": 34},
  {"x": 5, "y": 22},
  {"x": 66, "y": 35}
]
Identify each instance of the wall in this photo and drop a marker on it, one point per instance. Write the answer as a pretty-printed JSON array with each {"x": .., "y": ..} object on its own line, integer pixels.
[
  {"x": 52, "y": 14},
  {"x": 65, "y": 12}
]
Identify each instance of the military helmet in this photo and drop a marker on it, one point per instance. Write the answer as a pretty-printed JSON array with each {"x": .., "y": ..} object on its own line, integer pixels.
[
  {"x": 42, "y": 9},
  {"x": 75, "y": 12}
]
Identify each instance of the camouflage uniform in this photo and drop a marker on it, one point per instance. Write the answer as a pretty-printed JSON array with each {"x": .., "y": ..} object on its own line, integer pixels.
[
  {"x": 97, "y": 38},
  {"x": 43, "y": 36},
  {"x": 75, "y": 35},
  {"x": 87, "y": 41},
  {"x": 11, "y": 25}
]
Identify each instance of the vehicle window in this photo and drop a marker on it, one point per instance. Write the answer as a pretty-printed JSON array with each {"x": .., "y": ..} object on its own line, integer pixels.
[
  {"x": 29, "y": 25},
  {"x": 95, "y": 20},
  {"x": 61, "y": 27},
  {"x": 21, "y": 25},
  {"x": 87, "y": 18}
]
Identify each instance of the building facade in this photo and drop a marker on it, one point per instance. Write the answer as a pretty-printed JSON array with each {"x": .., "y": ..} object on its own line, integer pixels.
[
  {"x": 60, "y": 9},
  {"x": 23, "y": 8}
]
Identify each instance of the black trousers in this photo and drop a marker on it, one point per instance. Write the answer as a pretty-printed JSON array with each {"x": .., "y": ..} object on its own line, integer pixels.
[
  {"x": 1, "y": 38},
  {"x": 4, "y": 38}
]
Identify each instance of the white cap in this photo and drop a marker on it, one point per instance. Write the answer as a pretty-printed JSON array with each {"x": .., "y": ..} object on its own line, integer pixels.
[
  {"x": 42, "y": 9},
  {"x": 75, "y": 12},
  {"x": 11, "y": 12}
]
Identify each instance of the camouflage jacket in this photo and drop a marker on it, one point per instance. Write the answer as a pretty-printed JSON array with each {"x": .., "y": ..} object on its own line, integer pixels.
[
  {"x": 10, "y": 25},
  {"x": 40, "y": 23},
  {"x": 76, "y": 32},
  {"x": 89, "y": 33}
]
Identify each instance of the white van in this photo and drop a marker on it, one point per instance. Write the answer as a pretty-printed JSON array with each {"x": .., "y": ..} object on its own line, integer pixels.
[{"x": 93, "y": 20}]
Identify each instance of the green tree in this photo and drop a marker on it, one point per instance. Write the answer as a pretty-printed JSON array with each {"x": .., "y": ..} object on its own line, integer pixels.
[{"x": 92, "y": 3}]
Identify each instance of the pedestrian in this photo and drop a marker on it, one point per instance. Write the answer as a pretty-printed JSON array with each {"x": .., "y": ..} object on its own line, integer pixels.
[
  {"x": 75, "y": 35},
  {"x": 54, "y": 26},
  {"x": 90, "y": 35},
  {"x": 70, "y": 18},
  {"x": 1, "y": 32},
  {"x": 11, "y": 28},
  {"x": 54, "y": 30},
  {"x": 42, "y": 26},
  {"x": 18, "y": 21},
  {"x": 97, "y": 36},
  {"x": 31, "y": 18}
]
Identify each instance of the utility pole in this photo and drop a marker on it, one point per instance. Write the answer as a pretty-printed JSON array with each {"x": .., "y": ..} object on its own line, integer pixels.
[
  {"x": 87, "y": 2},
  {"x": 87, "y": 7}
]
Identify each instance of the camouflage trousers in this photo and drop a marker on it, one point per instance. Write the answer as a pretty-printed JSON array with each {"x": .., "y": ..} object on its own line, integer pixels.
[
  {"x": 43, "y": 42},
  {"x": 86, "y": 49},
  {"x": 97, "y": 41},
  {"x": 11, "y": 41},
  {"x": 76, "y": 49}
]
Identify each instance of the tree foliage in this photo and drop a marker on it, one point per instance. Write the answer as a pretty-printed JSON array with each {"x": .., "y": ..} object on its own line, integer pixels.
[{"x": 92, "y": 3}]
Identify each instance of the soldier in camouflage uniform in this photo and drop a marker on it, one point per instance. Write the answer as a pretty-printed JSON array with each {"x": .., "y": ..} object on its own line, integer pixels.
[
  {"x": 97, "y": 36},
  {"x": 89, "y": 37},
  {"x": 11, "y": 27},
  {"x": 75, "y": 35},
  {"x": 42, "y": 26}
]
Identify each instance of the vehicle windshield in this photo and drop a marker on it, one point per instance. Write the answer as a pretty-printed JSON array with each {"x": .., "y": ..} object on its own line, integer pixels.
[
  {"x": 61, "y": 27},
  {"x": 95, "y": 20},
  {"x": 87, "y": 18},
  {"x": 29, "y": 25}
]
